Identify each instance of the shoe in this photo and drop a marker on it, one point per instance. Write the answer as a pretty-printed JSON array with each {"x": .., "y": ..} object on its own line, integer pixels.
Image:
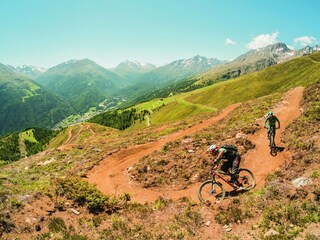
[
  {"x": 236, "y": 182},
  {"x": 241, "y": 187}
]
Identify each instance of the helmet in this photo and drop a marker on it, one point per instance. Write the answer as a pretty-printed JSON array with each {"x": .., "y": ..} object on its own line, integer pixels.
[
  {"x": 212, "y": 148},
  {"x": 270, "y": 114}
]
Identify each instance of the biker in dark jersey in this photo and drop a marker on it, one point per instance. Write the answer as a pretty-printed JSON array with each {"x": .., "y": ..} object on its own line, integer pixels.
[
  {"x": 230, "y": 157},
  {"x": 271, "y": 120}
]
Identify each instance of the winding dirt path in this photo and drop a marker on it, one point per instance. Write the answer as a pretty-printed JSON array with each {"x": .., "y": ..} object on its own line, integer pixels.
[
  {"x": 71, "y": 137},
  {"x": 259, "y": 159},
  {"x": 111, "y": 175}
]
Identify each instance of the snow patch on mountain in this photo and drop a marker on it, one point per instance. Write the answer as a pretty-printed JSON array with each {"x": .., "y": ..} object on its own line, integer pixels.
[
  {"x": 197, "y": 61},
  {"x": 30, "y": 68}
]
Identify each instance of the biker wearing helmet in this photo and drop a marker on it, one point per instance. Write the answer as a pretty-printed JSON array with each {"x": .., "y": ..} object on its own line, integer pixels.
[
  {"x": 271, "y": 119},
  {"x": 230, "y": 158}
]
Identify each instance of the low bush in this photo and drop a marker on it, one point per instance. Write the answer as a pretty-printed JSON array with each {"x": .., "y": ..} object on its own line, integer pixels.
[
  {"x": 59, "y": 230},
  {"x": 88, "y": 195},
  {"x": 5, "y": 225},
  {"x": 290, "y": 218}
]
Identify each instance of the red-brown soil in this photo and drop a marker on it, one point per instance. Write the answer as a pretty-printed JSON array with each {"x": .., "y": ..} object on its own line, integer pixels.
[
  {"x": 111, "y": 175},
  {"x": 259, "y": 159}
]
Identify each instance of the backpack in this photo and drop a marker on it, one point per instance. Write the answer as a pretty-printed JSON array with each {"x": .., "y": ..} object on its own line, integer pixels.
[{"x": 230, "y": 147}]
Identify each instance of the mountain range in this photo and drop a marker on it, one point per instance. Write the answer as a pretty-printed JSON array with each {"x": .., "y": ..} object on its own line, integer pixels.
[
  {"x": 169, "y": 74},
  {"x": 47, "y": 96},
  {"x": 179, "y": 69},
  {"x": 252, "y": 61},
  {"x": 85, "y": 84},
  {"x": 28, "y": 70},
  {"x": 113, "y": 180}
]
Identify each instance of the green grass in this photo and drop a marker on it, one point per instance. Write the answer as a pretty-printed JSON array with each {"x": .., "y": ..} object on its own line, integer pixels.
[
  {"x": 59, "y": 139},
  {"x": 27, "y": 176},
  {"x": 152, "y": 105},
  {"x": 182, "y": 166},
  {"x": 175, "y": 111},
  {"x": 276, "y": 79},
  {"x": 28, "y": 135},
  {"x": 30, "y": 92}
]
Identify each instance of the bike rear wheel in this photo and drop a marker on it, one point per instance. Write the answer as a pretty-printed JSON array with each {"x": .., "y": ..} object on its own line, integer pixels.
[
  {"x": 211, "y": 192},
  {"x": 272, "y": 145},
  {"x": 247, "y": 178}
]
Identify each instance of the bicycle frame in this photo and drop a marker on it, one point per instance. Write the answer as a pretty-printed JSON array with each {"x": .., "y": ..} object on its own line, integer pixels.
[
  {"x": 220, "y": 175},
  {"x": 271, "y": 135},
  {"x": 213, "y": 189}
]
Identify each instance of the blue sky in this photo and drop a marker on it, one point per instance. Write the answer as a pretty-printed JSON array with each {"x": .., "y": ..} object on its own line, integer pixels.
[{"x": 45, "y": 33}]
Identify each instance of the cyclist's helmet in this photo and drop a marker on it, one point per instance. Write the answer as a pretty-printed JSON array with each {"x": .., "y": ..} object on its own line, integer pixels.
[
  {"x": 212, "y": 148},
  {"x": 270, "y": 114}
]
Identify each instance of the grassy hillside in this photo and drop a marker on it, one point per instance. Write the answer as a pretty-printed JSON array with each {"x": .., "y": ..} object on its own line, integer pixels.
[
  {"x": 276, "y": 79},
  {"x": 252, "y": 61},
  {"x": 9, "y": 148},
  {"x": 29, "y": 142},
  {"x": 119, "y": 119},
  {"x": 49, "y": 183},
  {"x": 83, "y": 83},
  {"x": 256, "y": 211},
  {"x": 164, "y": 80},
  {"x": 25, "y": 103},
  {"x": 278, "y": 205}
]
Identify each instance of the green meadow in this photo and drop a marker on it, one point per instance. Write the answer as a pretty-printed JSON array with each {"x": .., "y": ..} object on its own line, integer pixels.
[{"x": 279, "y": 78}]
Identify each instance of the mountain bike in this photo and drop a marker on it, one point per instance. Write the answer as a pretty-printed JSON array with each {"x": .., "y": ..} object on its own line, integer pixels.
[
  {"x": 212, "y": 191},
  {"x": 272, "y": 145}
]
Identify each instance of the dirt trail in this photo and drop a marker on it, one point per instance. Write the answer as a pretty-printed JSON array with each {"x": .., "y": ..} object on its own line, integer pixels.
[
  {"x": 259, "y": 159},
  {"x": 71, "y": 137},
  {"x": 111, "y": 176}
]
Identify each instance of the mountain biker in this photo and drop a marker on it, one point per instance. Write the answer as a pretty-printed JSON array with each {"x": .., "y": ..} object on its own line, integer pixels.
[
  {"x": 230, "y": 158},
  {"x": 271, "y": 119}
]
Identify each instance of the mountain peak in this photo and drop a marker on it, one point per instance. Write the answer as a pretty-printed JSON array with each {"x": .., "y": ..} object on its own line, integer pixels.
[
  {"x": 132, "y": 69},
  {"x": 278, "y": 47},
  {"x": 135, "y": 64},
  {"x": 76, "y": 61},
  {"x": 27, "y": 70},
  {"x": 196, "y": 61}
]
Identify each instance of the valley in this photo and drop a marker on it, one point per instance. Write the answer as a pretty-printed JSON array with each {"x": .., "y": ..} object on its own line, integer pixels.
[
  {"x": 159, "y": 120},
  {"x": 96, "y": 182},
  {"x": 76, "y": 90}
]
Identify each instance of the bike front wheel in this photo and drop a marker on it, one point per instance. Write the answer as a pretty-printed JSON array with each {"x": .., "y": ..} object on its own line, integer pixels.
[
  {"x": 211, "y": 192},
  {"x": 247, "y": 178}
]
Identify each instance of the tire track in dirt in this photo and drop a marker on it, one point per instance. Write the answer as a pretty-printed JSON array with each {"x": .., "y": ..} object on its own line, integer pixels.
[{"x": 111, "y": 175}]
